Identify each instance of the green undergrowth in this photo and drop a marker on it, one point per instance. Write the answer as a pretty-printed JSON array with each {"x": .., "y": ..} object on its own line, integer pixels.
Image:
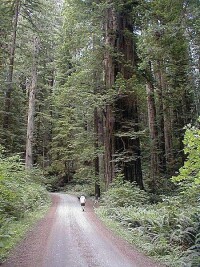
[
  {"x": 168, "y": 231},
  {"x": 13, "y": 231},
  {"x": 23, "y": 198}
]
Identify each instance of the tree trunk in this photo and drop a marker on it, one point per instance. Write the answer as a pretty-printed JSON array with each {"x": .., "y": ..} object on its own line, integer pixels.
[
  {"x": 109, "y": 145},
  {"x": 127, "y": 145},
  {"x": 126, "y": 104},
  {"x": 161, "y": 139},
  {"x": 167, "y": 126},
  {"x": 109, "y": 70},
  {"x": 31, "y": 110},
  {"x": 96, "y": 160},
  {"x": 165, "y": 121},
  {"x": 154, "y": 170},
  {"x": 101, "y": 144},
  {"x": 7, "y": 107}
]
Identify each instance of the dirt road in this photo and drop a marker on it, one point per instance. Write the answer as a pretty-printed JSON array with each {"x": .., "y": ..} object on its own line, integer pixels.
[{"x": 69, "y": 237}]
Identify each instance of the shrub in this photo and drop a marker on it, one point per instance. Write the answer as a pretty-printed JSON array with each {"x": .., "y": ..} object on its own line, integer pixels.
[
  {"x": 123, "y": 194},
  {"x": 189, "y": 175},
  {"x": 19, "y": 193}
]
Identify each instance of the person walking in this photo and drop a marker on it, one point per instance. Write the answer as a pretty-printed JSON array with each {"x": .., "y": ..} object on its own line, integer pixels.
[{"x": 82, "y": 202}]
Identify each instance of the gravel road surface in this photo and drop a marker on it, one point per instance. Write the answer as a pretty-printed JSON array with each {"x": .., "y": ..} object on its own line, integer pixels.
[{"x": 69, "y": 237}]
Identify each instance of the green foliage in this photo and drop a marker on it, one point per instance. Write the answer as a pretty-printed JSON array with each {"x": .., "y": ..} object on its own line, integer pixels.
[
  {"x": 123, "y": 194},
  {"x": 64, "y": 130},
  {"x": 192, "y": 255},
  {"x": 188, "y": 180},
  {"x": 12, "y": 231},
  {"x": 20, "y": 194},
  {"x": 168, "y": 230},
  {"x": 189, "y": 174},
  {"x": 79, "y": 74},
  {"x": 36, "y": 18}
]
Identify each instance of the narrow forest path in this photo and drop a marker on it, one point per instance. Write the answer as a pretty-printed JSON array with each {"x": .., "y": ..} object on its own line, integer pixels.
[{"x": 68, "y": 237}]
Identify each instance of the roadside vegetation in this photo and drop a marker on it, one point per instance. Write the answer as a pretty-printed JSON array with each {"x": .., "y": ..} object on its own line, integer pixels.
[
  {"x": 167, "y": 230},
  {"x": 23, "y": 201},
  {"x": 96, "y": 94},
  {"x": 165, "y": 226}
]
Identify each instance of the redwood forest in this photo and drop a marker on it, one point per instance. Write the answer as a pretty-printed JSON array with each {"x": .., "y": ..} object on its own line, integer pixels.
[{"x": 102, "y": 98}]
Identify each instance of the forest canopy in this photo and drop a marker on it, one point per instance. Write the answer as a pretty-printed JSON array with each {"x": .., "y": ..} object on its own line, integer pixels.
[{"x": 97, "y": 92}]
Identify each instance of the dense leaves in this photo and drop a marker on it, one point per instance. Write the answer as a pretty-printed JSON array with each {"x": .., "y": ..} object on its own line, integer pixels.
[
  {"x": 117, "y": 82},
  {"x": 189, "y": 175},
  {"x": 167, "y": 230},
  {"x": 21, "y": 193}
]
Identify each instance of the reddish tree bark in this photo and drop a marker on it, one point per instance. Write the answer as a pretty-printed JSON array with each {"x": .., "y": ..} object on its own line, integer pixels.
[
  {"x": 110, "y": 28},
  {"x": 120, "y": 58},
  {"x": 126, "y": 103},
  {"x": 154, "y": 149}
]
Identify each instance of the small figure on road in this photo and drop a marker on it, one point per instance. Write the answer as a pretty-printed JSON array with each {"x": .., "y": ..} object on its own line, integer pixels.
[{"x": 82, "y": 201}]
